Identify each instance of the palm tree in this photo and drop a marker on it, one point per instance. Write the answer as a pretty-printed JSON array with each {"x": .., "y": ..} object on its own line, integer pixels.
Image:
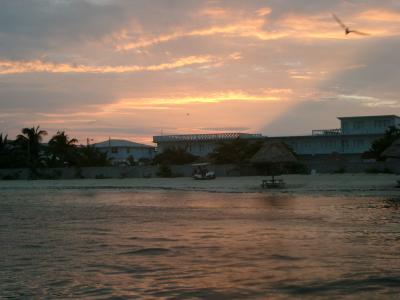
[
  {"x": 61, "y": 148},
  {"x": 31, "y": 139},
  {"x": 3, "y": 142}
]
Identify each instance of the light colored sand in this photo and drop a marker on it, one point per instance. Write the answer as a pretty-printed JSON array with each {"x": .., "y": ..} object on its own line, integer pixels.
[{"x": 337, "y": 184}]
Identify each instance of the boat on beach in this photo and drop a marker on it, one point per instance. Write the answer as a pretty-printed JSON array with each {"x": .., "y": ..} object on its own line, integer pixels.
[{"x": 201, "y": 172}]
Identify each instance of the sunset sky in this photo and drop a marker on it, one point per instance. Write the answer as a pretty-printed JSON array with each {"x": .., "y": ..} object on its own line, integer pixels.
[{"x": 137, "y": 68}]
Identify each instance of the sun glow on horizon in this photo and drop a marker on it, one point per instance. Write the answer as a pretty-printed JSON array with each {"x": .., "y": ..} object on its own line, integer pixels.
[{"x": 167, "y": 102}]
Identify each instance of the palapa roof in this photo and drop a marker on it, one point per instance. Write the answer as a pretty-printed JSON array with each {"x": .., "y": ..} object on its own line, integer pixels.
[
  {"x": 393, "y": 150},
  {"x": 273, "y": 152}
]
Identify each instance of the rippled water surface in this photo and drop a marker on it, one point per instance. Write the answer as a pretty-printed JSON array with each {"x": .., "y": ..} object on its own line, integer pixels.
[{"x": 183, "y": 245}]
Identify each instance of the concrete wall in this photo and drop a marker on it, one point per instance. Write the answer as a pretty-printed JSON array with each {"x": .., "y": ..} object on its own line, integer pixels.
[
  {"x": 321, "y": 164},
  {"x": 116, "y": 172},
  {"x": 352, "y": 167}
]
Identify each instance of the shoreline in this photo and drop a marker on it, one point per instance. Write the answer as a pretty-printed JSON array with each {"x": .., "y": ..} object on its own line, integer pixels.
[{"x": 321, "y": 184}]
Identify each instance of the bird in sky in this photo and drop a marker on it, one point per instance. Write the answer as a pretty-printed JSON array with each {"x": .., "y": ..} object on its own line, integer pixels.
[{"x": 347, "y": 30}]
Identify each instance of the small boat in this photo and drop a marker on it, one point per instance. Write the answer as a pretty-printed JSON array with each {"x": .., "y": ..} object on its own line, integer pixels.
[{"x": 201, "y": 172}]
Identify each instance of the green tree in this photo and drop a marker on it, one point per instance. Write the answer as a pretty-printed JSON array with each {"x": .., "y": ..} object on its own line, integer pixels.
[
  {"x": 380, "y": 145},
  {"x": 89, "y": 156},
  {"x": 62, "y": 150},
  {"x": 174, "y": 156},
  {"x": 235, "y": 152},
  {"x": 131, "y": 160}
]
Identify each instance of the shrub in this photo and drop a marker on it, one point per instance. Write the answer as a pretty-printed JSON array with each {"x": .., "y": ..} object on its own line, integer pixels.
[
  {"x": 174, "y": 156},
  {"x": 164, "y": 171},
  {"x": 100, "y": 176},
  {"x": 340, "y": 170},
  {"x": 372, "y": 170},
  {"x": 12, "y": 176},
  {"x": 235, "y": 152}
]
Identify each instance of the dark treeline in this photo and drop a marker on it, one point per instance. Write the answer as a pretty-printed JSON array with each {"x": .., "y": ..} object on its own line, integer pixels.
[
  {"x": 28, "y": 151},
  {"x": 238, "y": 151}
]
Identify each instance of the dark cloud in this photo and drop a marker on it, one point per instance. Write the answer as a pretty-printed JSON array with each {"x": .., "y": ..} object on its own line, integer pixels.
[
  {"x": 376, "y": 76},
  {"x": 305, "y": 116}
]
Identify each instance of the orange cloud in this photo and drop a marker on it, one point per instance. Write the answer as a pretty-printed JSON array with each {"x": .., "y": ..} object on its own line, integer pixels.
[
  {"x": 380, "y": 15},
  {"x": 251, "y": 28},
  {"x": 320, "y": 26},
  {"x": 17, "y": 67},
  {"x": 215, "y": 12}
]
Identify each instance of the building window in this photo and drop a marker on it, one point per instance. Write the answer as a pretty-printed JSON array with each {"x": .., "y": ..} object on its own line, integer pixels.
[
  {"x": 114, "y": 150},
  {"x": 358, "y": 125},
  {"x": 128, "y": 150},
  {"x": 358, "y": 143},
  {"x": 382, "y": 123}
]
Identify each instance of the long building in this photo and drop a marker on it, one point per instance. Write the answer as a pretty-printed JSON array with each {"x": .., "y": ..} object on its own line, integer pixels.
[
  {"x": 355, "y": 136},
  {"x": 199, "y": 144}
]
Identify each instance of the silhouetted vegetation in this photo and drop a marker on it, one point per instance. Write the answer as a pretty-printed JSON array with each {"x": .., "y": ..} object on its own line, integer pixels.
[
  {"x": 62, "y": 151},
  {"x": 89, "y": 156},
  {"x": 28, "y": 151},
  {"x": 174, "y": 156},
  {"x": 340, "y": 170},
  {"x": 131, "y": 160},
  {"x": 164, "y": 171},
  {"x": 383, "y": 143},
  {"x": 30, "y": 141},
  {"x": 235, "y": 152},
  {"x": 375, "y": 170}
]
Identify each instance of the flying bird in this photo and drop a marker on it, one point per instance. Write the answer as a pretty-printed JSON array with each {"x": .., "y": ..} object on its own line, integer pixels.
[{"x": 347, "y": 30}]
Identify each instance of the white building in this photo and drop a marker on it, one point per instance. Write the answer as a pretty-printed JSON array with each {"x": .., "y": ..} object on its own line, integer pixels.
[
  {"x": 199, "y": 144},
  {"x": 368, "y": 124},
  {"x": 120, "y": 151},
  {"x": 355, "y": 136}
]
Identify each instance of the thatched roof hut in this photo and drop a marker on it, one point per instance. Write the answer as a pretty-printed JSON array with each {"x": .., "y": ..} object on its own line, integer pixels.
[
  {"x": 393, "y": 151},
  {"x": 274, "y": 152}
]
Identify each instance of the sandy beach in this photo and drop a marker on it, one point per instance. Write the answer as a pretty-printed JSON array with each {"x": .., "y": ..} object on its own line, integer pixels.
[{"x": 326, "y": 184}]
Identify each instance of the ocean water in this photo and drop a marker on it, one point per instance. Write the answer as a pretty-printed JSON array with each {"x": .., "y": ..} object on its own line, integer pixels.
[{"x": 110, "y": 244}]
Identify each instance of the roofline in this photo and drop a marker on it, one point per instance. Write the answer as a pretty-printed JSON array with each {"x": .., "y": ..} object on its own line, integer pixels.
[
  {"x": 130, "y": 144},
  {"x": 144, "y": 146},
  {"x": 376, "y": 116},
  {"x": 205, "y": 137},
  {"x": 328, "y": 135}
]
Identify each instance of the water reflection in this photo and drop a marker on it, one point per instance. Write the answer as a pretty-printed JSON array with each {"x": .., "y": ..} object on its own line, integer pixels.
[{"x": 181, "y": 245}]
